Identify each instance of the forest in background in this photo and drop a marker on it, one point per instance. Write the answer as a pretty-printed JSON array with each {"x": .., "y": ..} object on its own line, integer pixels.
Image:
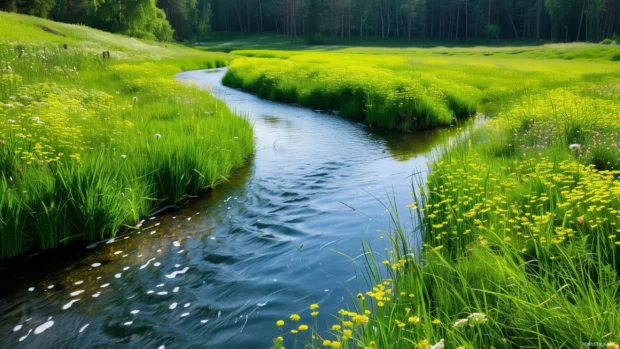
[{"x": 317, "y": 20}]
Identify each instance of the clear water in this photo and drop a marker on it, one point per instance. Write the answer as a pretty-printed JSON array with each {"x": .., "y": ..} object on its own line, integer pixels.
[{"x": 220, "y": 272}]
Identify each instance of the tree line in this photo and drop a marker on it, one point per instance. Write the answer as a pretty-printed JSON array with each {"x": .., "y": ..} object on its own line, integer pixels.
[
  {"x": 554, "y": 20},
  {"x": 318, "y": 20}
]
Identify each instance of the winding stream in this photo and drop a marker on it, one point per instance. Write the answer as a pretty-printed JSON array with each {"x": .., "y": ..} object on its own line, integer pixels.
[{"x": 219, "y": 273}]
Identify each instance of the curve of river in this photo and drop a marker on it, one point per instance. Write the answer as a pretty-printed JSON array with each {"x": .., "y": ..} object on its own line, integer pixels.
[{"x": 219, "y": 273}]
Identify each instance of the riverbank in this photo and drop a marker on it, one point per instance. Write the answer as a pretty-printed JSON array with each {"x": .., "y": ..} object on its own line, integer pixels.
[
  {"x": 518, "y": 222},
  {"x": 414, "y": 89},
  {"x": 90, "y": 145}
]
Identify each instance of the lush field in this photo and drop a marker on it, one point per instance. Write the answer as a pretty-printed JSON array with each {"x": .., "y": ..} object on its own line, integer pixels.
[
  {"x": 519, "y": 220},
  {"x": 413, "y": 89},
  {"x": 91, "y": 145}
]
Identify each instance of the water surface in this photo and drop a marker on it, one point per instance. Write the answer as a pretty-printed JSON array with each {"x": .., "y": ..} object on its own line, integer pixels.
[{"x": 220, "y": 272}]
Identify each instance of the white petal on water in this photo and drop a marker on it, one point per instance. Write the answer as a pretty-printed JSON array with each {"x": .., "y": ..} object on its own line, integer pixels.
[
  {"x": 95, "y": 265},
  {"x": 204, "y": 321},
  {"x": 189, "y": 218},
  {"x": 175, "y": 273},
  {"x": 126, "y": 255},
  {"x": 261, "y": 304},
  {"x": 83, "y": 328},
  {"x": 28, "y": 319},
  {"x": 219, "y": 313},
  {"x": 118, "y": 276},
  {"x": 184, "y": 314},
  {"x": 177, "y": 265},
  {"x": 158, "y": 251},
  {"x": 157, "y": 264},
  {"x": 153, "y": 232},
  {"x": 160, "y": 285},
  {"x": 118, "y": 252},
  {"x": 73, "y": 294},
  {"x": 126, "y": 268},
  {"x": 147, "y": 263},
  {"x": 157, "y": 224},
  {"x": 96, "y": 294},
  {"x": 150, "y": 291},
  {"x": 139, "y": 255},
  {"x": 111, "y": 241},
  {"x": 17, "y": 328},
  {"x": 98, "y": 277},
  {"x": 31, "y": 289},
  {"x": 180, "y": 251},
  {"x": 105, "y": 285},
  {"x": 26, "y": 336},
  {"x": 186, "y": 305},
  {"x": 176, "y": 244},
  {"x": 134, "y": 312},
  {"x": 162, "y": 293},
  {"x": 172, "y": 306},
  {"x": 175, "y": 290},
  {"x": 68, "y": 305},
  {"x": 78, "y": 282},
  {"x": 43, "y": 327},
  {"x": 128, "y": 323},
  {"x": 161, "y": 347},
  {"x": 50, "y": 287}
]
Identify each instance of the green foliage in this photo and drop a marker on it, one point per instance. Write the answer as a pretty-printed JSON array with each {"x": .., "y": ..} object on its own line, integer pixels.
[
  {"x": 89, "y": 146},
  {"x": 607, "y": 42}
]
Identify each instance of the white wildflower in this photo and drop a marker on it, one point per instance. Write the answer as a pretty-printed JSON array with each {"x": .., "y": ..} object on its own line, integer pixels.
[
  {"x": 574, "y": 147},
  {"x": 460, "y": 323},
  {"x": 124, "y": 156},
  {"x": 157, "y": 136},
  {"x": 477, "y": 318},
  {"x": 439, "y": 345},
  {"x": 11, "y": 121},
  {"x": 135, "y": 99}
]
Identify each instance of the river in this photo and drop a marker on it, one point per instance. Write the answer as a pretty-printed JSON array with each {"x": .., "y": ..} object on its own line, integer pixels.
[{"x": 220, "y": 272}]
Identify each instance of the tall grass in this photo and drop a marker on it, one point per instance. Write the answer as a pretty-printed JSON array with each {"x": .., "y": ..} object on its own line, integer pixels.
[
  {"x": 404, "y": 89},
  {"x": 519, "y": 230},
  {"x": 89, "y": 146}
]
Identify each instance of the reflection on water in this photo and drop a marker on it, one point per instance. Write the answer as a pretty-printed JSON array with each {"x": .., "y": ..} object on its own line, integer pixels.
[{"x": 220, "y": 272}]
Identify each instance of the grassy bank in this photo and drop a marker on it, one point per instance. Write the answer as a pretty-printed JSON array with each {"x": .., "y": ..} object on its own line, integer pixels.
[
  {"x": 90, "y": 145},
  {"x": 519, "y": 231},
  {"x": 414, "y": 89}
]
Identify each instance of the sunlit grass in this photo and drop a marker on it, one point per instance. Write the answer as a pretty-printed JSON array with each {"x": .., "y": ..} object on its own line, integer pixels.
[
  {"x": 89, "y": 146},
  {"x": 411, "y": 89},
  {"x": 518, "y": 222}
]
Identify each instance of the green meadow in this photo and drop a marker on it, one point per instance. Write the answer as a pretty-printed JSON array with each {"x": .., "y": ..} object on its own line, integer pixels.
[
  {"x": 413, "y": 89},
  {"x": 518, "y": 219},
  {"x": 516, "y": 238},
  {"x": 90, "y": 146}
]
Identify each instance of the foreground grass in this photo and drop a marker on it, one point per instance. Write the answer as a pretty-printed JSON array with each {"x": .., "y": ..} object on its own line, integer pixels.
[
  {"x": 412, "y": 89},
  {"x": 519, "y": 232},
  {"x": 88, "y": 146}
]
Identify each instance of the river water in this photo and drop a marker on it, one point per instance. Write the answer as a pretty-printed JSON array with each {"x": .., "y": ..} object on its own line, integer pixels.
[{"x": 220, "y": 272}]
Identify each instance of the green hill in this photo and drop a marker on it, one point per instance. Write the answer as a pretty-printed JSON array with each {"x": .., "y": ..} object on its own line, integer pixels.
[{"x": 91, "y": 145}]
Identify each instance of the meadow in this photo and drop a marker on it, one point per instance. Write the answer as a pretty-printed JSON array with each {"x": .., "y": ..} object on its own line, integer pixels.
[
  {"x": 413, "y": 89},
  {"x": 90, "y": 146},
  {"x": 518, "y": 220}
]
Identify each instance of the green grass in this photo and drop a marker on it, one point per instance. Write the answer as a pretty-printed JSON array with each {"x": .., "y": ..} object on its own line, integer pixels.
[
  {"x": 236, "y": 41},
  {"x": 412, "y": 89},
  {"x": 90, "y": 146},
  {"x": 520, "y": 233}
]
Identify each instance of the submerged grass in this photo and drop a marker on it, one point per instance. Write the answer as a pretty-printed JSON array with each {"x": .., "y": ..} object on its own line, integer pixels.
[
  {"x": 90, "y": 145},
  {"x": 519, "y": 226},
  {"x": 412, "y": 89}
]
